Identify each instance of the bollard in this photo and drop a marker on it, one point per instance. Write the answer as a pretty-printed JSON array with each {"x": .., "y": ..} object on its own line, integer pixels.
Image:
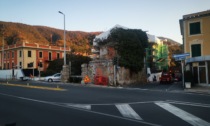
[
  {"x": 27, "y": 84},
  {"x": 57, "y": 86}
]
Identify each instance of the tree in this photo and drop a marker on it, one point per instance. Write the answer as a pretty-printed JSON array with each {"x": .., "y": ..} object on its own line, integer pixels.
[
  {"x": 130, "y": 45},
  {"x": 76, "y": 61},
  {"x": 175, "y": 49}
]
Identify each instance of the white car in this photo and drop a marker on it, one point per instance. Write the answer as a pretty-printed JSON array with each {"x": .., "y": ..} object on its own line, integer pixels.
[{"x": 54, "y": 77}]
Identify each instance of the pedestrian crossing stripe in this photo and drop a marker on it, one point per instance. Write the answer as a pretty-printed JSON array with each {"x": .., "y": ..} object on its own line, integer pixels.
[
  {"x": 193, "y": 120},
  {"x": 127, "y": 111},
  {"x": 123, "y": 108},
  {"x": 81, "y": 106}
]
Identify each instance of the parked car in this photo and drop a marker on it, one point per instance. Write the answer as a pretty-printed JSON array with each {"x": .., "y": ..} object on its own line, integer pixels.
[
  {"x": 53, "y": 78},
  {"x": 166, "y": 78}
]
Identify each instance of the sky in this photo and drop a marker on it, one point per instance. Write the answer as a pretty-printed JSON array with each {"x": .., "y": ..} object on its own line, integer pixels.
[{"x": 157, "y": 17}]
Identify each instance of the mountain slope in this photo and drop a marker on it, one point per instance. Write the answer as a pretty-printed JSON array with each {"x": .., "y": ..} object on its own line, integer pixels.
[{"x": 18, "y": 33}]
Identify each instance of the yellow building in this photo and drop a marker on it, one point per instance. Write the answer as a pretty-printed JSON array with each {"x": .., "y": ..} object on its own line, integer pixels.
[{"x": 195, "y": 30}]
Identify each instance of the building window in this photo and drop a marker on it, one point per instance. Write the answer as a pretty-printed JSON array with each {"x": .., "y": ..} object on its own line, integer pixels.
[
  {"x": 50, "y": 56},
  {"x": 31, "y": 64},
  {"x": 5, "y": 55},
  {"x": 13, "y": 65},
  {"x": 29, "y": 53},
  {"x": 20, "y": 64},
  {"x": 20, "y": 53},
  {"x": 8, "y": 55},
  {"x": 40, "y": 54},
  {"x": 13, "y": 54},
  {"x": 7, "y": 65},
  {"x": 40, "y": 64},
  {"x": 4, "y": 65},
  {"x": 58, "y": 55},
  {"x": 195, "y": 28},
  {"x": 196, "y": 50}
]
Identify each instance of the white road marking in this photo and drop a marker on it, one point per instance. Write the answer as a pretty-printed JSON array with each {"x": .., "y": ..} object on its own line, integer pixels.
[
  {"x": 193, "y": 120},
  {"x": 84, "y": 110},
  {"x": 189, "y": 103},
  {"x": 87, "y": 107},
  {"x": 142, "y": 102},
  {"x": 127, "y": 111}
]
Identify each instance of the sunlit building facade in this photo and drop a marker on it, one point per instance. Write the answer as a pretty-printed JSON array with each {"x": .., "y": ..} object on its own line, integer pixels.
[
  {"x": 195, "y": 30},
  {"x": 29, "y": 56}
]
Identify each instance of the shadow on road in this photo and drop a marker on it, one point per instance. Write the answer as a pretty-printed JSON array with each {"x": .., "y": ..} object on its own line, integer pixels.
[{"x": 175, "y": 86}]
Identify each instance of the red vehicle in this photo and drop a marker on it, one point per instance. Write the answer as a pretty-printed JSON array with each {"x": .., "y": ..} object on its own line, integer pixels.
[{"x": 166, "y": 78}]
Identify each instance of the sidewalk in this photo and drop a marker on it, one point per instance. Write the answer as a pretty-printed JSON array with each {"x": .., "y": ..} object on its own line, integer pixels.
[
  {"x": 203, "y": 89},
  {"x": 199, "y": 89}
]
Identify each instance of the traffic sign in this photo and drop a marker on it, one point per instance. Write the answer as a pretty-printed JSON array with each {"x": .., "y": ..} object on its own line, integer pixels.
[
  {"x": 180, "y": 58},
  {"x": 181, "y": 55}
]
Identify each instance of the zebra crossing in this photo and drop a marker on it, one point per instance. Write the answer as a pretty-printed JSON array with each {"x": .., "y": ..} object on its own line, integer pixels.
[
  {"x": 135, "y": 111},
  {"x": 152, "y": 113},
  {"x": 193, "y": 120},
  {"x": 127, "y": 111}
]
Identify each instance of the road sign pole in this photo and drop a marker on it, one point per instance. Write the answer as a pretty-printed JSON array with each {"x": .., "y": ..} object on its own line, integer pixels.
[{"x": 182, "y": 63}]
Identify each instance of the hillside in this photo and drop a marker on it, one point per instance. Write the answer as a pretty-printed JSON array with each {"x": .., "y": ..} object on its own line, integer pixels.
[
  {"x": 18, "y": 33},
  {"x": 78, "y": 41}
]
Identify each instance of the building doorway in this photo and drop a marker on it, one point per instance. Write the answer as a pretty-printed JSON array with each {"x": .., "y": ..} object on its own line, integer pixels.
[
  {"x": 202, "y": 75},
  {"x": 195, "y": 75}
]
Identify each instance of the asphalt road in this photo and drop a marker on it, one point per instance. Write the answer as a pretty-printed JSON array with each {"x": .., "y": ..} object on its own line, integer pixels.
[{"x": 47, "y": 104}]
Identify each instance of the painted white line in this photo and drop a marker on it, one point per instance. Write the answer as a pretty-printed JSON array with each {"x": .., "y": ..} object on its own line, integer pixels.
[
  {"x": 103, "y": 104},
  {"x": 193, "y": 120},
  {"x": 127, "y": 111},
  {"x": 87, "y": 107},
  {"x": 188, "y": 103},
  {"x": 84, "y": 110}
]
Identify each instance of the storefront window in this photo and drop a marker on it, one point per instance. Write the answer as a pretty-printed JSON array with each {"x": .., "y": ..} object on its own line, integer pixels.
[
  {"x": 201, "y": 63},
  {"x": 202, "y": 74}
]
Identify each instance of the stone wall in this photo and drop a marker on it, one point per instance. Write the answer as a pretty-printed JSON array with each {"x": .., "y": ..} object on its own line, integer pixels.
[{"x": 106, "y": 68}]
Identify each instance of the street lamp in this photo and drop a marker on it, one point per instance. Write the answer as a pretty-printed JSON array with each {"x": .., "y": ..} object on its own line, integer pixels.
[
  {"x": 65, "y": 71},
  {"x": 64, "y": 38}
]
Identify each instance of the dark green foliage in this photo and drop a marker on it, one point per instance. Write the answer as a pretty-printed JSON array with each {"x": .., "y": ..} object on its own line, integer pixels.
[
  {"x": 47, "y": 72},
  {"x": 130, "y": 45},
  {"x": 76, "y": 62},
  {"x": 55, "y": 38},
  {"x": 76, "y": 79},
  {"x": 55, "y": 66}
]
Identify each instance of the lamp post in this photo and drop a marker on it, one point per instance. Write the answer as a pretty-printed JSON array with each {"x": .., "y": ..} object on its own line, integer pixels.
[
  {"x": 64, "y": 33},
  {"x": 65, "y": 71}
]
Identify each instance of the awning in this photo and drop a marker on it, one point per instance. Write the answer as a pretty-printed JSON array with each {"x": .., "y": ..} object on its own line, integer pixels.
[{"x": 198, "y": 59}]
